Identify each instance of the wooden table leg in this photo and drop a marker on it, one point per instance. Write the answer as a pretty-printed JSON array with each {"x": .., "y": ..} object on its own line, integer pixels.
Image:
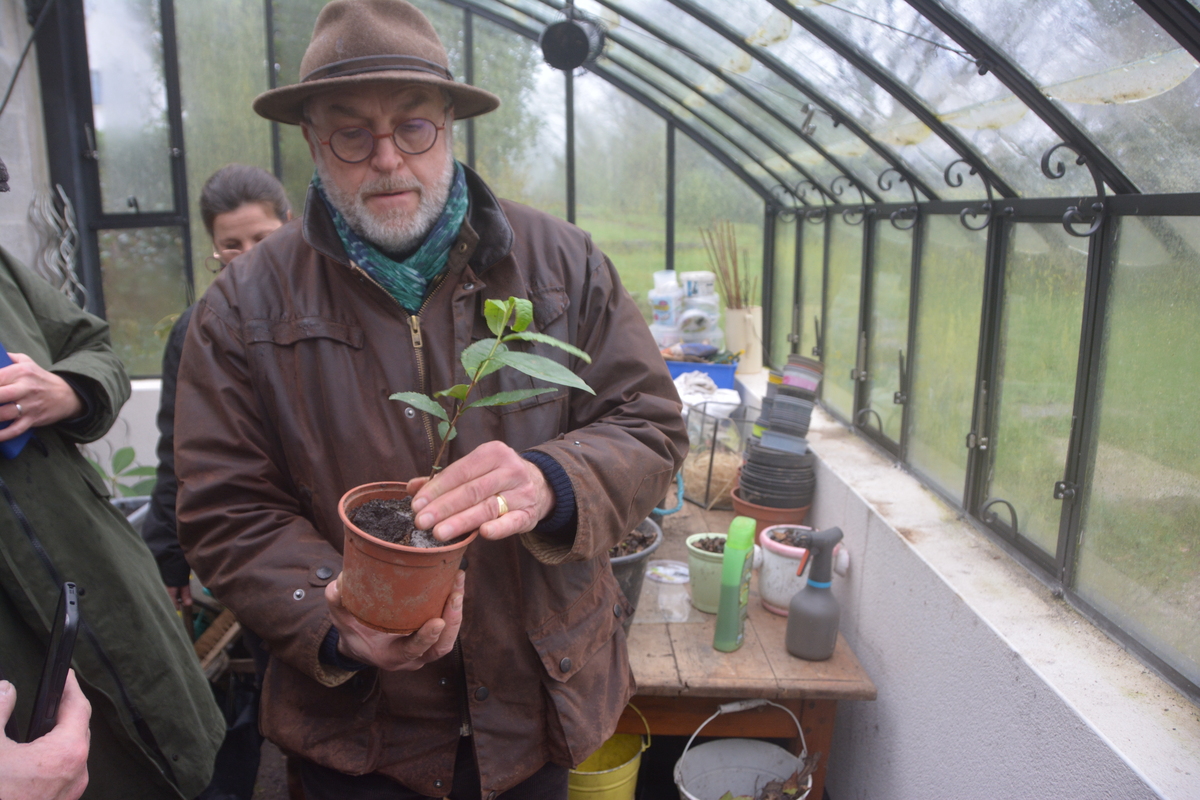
[{"x": 816, "y": 719}]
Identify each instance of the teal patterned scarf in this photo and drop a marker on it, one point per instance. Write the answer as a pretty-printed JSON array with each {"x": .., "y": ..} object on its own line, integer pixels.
[{"x": 407, "y": 280}]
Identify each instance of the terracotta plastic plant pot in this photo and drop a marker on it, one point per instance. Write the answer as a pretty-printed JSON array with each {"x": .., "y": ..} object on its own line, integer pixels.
[
  {"x": 779, "y": 579},
  {"x": 765, "y": 517},
  {"x": 392, "y": 587},
  {"x": 704, "y": 574}
]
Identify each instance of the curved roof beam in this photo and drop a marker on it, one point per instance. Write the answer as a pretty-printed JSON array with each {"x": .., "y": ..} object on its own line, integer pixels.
[
  {"x": 1179, "y": 18},
  {"x": 1027, "y": 92},
  {"x": 871, "y": 69},
  {"x": 711, "y": 67},
  {"x": 787, "y": 74},
  {"x": 766, "y": 140},
  {"x": 657, "y": 108}
]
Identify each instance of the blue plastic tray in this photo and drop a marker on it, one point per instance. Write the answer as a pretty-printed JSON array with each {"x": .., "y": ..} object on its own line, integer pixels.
[{"x": 722, "y": 374}]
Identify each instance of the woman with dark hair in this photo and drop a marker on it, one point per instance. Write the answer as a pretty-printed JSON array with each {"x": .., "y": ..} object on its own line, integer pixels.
[{"x": 240, "y": 206}]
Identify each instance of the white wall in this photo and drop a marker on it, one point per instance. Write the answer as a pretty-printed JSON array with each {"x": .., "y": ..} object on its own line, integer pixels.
[{"x": 989, "y": 687}]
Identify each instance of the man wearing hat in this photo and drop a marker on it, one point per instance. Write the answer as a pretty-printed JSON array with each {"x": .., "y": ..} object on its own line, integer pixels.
[{"x": 282, "y": 407}]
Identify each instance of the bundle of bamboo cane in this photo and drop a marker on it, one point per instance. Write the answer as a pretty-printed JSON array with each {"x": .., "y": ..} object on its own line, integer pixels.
[{"x": 720, "y": 242}]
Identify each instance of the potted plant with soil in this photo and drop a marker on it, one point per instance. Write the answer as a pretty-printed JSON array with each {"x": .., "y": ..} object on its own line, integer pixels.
[
  {"x": 628, "y": 559},
  {"x": 396, "y": 577}
]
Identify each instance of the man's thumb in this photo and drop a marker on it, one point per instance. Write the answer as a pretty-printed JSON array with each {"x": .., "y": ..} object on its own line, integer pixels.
[{"x": 8, "y": 699}]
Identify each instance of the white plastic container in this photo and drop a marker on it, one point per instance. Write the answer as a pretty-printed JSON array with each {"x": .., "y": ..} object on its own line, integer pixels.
[
  {"x": 708, "y": 303},
  {"x": 700, "y": 282},
  {"x": 666, "y": 303},
  {"x": 665, "y": 335}
]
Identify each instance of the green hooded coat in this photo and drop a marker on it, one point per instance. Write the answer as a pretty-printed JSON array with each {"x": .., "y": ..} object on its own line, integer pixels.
[{"x": 155, "y": 726}]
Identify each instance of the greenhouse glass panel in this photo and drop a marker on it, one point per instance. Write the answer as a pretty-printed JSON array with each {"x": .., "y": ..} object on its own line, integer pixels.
[
  {"x": 218, "y": 126},
  {"x": 841, "y": 324},
  {"x": 129, "y": 106},
  {"x": 1035, "y": 385},
  {"x": 1003, "y": 130},
  {"x": 891, "y": 275},
  {"x": 812, "y": 284},
  {"x": 145, "y": 288},
  {"x": 707, "y": 193},
  {"x": 783, "y": 294},
  {"x": 1108, "y": 65},
  {"x": 941, "y": 389},
  {"x": 621, "y": 182},
  {"x": 1139, "y": 547}
]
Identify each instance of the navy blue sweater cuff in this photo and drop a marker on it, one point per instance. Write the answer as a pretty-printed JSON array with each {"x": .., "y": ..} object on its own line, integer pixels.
[
  {"x": 562, "y": 519},
  {"x": 329, "y": 655},
  {"x": 83, "y": 389}
]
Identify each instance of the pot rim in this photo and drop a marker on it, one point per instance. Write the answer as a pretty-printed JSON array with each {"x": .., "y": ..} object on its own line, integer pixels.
[
  {"x": 779, "y": 548},
  {"x": 658, "y": 540},
  {"x": 375, "y": 541},
  {"x": 703, "y": 553},
  {"x": 736, "y": 496}
]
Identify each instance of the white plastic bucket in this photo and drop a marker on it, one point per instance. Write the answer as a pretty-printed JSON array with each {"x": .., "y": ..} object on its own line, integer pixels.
[{"x": 740, "y": 766}]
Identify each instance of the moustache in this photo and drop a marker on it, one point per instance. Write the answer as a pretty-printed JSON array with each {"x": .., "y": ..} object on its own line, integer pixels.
[{"x": 389, "y": 185}]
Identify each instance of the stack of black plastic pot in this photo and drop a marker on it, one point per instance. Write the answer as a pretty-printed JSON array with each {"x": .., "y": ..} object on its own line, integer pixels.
[{"x": 778, "y": 471}]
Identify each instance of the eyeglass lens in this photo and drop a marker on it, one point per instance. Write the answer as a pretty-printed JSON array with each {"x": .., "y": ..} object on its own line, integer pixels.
[{"x": 412, "y": 137}]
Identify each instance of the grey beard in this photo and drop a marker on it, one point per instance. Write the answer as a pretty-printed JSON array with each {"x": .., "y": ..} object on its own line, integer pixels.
[{"x": 395, "y": 232}]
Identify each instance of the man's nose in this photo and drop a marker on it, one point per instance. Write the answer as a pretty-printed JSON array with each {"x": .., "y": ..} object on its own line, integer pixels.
[{"x": 387, "y": 157}]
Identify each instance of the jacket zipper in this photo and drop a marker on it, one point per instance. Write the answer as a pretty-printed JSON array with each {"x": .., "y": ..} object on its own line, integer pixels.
[
  {"x": 464, "y": 725},
  {"x": 414, "y": 327}
]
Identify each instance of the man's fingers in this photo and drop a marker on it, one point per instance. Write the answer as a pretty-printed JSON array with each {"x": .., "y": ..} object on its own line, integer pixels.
[
  {"x": 8, "y": 699},
  {"x": 74, "y": 711},
  {"x": 185, "y": 594}
]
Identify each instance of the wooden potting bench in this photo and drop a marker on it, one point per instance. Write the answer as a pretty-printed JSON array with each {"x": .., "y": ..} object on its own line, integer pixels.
[{"x": 681, "y": 679}]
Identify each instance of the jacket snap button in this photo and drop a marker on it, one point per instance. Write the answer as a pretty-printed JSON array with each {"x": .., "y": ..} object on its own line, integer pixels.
[
  {"x": 324, "y": 573},
  {"x": 617, "y": 610},
  {"x": 410, "y": 412},
  {"x": 565, "y": 665},
  {"x": 437, "y": 784},
  {"x": 491, "y": 796},
  {"x": 481, "y": 693},
  {"x": 462, "y": 248},
  {"x": 298, "y": 594},
  {"x": 469, "y": 287},
  {"x": 443, "y": 681}
]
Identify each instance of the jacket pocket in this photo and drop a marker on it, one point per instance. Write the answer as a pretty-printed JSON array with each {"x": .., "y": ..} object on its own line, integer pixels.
[
  {"x": 566, "y": 642},
  {"x": 289, "y": 331}
]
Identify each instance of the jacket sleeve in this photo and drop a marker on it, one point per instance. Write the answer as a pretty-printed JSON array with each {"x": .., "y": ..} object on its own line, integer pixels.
[
  {"x": 239, "y": 521},
  {"x": 627, "y": 441},
  {"x": 80, "y": 347},
  {"x": 159, "y": 531}
]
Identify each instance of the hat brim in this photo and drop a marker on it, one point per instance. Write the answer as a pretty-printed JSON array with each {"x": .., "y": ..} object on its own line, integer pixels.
[{"x": 286, "y": 104}]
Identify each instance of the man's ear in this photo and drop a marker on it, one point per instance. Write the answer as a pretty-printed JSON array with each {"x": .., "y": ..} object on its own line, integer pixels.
[{"x": 311, "y": 138}]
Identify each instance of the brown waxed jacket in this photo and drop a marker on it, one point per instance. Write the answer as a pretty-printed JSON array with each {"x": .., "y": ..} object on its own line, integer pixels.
[{"x": 282, "y": 407}]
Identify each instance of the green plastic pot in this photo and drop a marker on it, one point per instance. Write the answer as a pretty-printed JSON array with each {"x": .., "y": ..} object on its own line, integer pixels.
[{"x": 704, "y": 574}]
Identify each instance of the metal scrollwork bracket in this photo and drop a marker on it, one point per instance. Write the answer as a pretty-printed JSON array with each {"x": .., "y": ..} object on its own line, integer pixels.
[
  {"x": 811, "y": 213},
  {"x": 989, "y": 517},
  {"x": 838, "y": 187},
  {"x": 908, "y": 214},
  {"x": 1096, "y": 212},
  {"x": 987, "y": 210},
  {"x": 782, "y": 195}
]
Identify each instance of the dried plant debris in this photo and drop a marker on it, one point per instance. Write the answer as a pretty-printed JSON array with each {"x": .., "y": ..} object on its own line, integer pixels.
[
  {"x": 789, "y": 789},
  {"x": 710, "y": 544},
  {"x": 637, "y": 541}
]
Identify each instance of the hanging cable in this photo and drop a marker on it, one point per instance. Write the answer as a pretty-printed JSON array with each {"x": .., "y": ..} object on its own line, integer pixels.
[
  {"x": 901, "y": 31},
  {"x": 37, "y": 26}
]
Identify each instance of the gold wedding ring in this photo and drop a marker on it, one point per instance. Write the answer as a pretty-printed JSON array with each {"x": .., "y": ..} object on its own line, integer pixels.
[{"x": 501, "y": 506}]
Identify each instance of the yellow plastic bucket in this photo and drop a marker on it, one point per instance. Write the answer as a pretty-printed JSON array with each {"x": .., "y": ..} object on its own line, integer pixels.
[{"x": 611, "y": 772}]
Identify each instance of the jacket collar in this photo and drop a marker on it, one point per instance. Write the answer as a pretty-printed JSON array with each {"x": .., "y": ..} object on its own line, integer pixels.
[{"x": 484, "y": 215}]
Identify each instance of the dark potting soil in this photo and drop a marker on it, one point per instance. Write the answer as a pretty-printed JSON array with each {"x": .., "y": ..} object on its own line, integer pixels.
[
  {"x": 392, "y": 521},
  {"x": 710, "y": 544},
  {"x": 637, "y": 541},
  {"x": 790, "y": 536}
]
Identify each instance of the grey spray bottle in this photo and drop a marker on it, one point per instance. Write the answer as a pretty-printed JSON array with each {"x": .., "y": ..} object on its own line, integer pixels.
[{"x": 814, "y": 613}]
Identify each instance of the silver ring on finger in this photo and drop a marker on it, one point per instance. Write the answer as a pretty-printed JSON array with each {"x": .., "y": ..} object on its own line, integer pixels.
[{"x": 20, "y": 410}]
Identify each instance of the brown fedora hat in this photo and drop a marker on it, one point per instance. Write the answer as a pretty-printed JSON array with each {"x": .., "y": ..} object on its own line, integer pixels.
[{"x": 363, "y": 42}]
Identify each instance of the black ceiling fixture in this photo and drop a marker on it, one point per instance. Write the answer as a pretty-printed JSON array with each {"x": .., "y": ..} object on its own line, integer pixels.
[{"x": 573, "y": 42}]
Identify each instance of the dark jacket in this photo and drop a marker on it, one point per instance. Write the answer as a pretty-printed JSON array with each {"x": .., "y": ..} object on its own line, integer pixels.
[
  {"x": 286, "y": 372},
  {"x": 155, "y": 727},
  {"x": 159, "y": 529}
]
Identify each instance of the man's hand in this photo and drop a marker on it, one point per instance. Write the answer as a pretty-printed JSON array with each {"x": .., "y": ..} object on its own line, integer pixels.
[
  {"x": 44, "y": 398},
  {"x": 180, "y": 596},
  {"x": 390, "y": 651},
  {"x": 53, "y": 767},
  {"x": 463, "y": 496}
]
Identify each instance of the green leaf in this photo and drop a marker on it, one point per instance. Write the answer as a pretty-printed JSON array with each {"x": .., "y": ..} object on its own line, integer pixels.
[
  {"x": 144, "y": 487},
  {"x": 126, "y": 491},
  {"x": 524, "y": 314},
  {"x": 496, "y": 314},
  {"x": 421, "y": 403},
  {"x": 458, "y": 392},
  {"x": 122, "y": 459},
  {"x": 477, "y": 353},
  {"x": 443, "y": 428},
  {"x": 507, "y": 398},
  {"x": 140, "y": 472},
  {"x": 530, "y": 336},
  {"x": 542, "y": 368}
]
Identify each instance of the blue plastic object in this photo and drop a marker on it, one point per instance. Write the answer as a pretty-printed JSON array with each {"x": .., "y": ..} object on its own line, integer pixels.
[
  {"x": 11, "y": 448},
  {"x": 722, "y": 374}
]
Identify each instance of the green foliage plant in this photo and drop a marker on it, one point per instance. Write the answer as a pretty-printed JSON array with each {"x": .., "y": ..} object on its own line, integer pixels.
[
  {"x": 124, "y": 470},
  {"x": 490, "y": 355}
]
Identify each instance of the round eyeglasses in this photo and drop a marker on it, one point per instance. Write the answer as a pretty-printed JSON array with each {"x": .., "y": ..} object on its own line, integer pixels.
[{"x": 411, "y": 137}]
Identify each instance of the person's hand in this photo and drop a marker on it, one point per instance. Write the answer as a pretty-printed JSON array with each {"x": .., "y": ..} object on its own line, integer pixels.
[
  {"x": 53, "y": 767},
  {"x": 31, "y": 397},
  {"x": 391, "y": 651},
  {"x": 464, "y": 496},
  {"x": 180, "y": 596}
]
